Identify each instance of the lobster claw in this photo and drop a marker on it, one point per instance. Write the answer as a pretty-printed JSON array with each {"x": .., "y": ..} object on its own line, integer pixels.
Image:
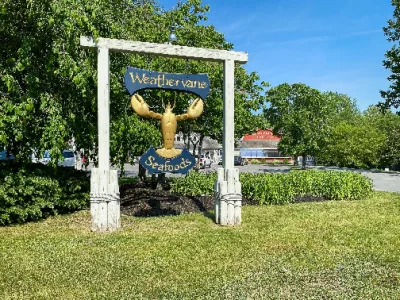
[
  {"x": 195, "y": 109},
  {"x": 139, "y": 106}
]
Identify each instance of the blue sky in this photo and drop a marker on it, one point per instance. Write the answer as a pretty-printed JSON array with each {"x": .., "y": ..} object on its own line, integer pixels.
[{"x": 329, "y": 45}]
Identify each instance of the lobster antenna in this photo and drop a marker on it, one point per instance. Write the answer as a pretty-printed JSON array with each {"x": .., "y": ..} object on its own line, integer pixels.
[{"x": 174, "y": 101}]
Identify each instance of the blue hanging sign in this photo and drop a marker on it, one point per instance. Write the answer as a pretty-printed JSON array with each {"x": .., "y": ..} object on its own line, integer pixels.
[
  {"x": 154, "y": 163},
  {"x": 138, "y": 79}
]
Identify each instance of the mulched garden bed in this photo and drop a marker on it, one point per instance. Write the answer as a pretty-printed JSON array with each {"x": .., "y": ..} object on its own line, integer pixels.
[{"x": 138, "y": 199}]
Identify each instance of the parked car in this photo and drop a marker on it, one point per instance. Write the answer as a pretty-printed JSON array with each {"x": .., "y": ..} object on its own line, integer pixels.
[
  {"x": 34, "y": 159},
  {"x": 205, "y": 161},
  {"x": 310, "y": 161},
  {"x": 46, "y": 158},
  {"x": 3, "y": 155},
  {"x": 240, "y": 161},
  {"x": 69, "y": 158}
]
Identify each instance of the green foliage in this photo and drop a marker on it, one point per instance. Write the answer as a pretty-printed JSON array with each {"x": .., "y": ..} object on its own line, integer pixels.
[
  {"x": 388, "y": 123},
  {"x": 31, "y": 192},
  {"x": 355, "y": 145},
  {"x": 286, "y": 161},
  {"x": 195, "y": 183},
  {"x": 390, "y": 153},
  {"x": 281, "y": 188},
  {"x": 392, "y": 32},
  {"x": 48, "y": 82},
  {"x": 368, "y": 140},
  {"x": 304, "y": 117},
  {"x": 293, "y": 115},
  {"x": 254, "y": 162},
  {"x": 131, "y": 137},
  {"x": 127, "y": 180}
]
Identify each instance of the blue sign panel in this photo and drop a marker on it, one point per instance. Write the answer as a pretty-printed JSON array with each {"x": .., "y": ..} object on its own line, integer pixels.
[
  {"x": 154, "y": 163},
  {"x": 138, "y": 79}
]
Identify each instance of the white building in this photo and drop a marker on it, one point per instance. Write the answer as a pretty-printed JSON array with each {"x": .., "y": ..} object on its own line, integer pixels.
[{"x": 209, "y": 146}]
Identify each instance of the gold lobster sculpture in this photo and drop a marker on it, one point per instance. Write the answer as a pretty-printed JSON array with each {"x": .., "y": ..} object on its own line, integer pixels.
[{"x": 168, "y": 121}]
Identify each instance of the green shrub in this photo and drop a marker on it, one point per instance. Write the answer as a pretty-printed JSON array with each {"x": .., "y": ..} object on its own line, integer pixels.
[
  {"x": 281, "y": 188},
  {"x": 286, "y": 161},
  {"x": 195, "y": 184},
  {"x": 31, "y": 192},
  {"x": 127, "y": 180},
  {"x": 254, "y": 162}
]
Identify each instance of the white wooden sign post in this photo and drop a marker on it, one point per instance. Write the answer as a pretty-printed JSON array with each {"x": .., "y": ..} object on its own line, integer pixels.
[{"x": 104, "y": 191}]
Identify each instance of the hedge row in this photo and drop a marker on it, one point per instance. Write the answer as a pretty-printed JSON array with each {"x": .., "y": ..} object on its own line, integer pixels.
[
  {"x": 34, "y": 191},
  {"x": 281, "y": 188},
  {"x": 31, "y": 192}
]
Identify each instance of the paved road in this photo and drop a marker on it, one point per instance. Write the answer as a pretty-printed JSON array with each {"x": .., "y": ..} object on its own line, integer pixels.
[{"x": 383, "y": 181}]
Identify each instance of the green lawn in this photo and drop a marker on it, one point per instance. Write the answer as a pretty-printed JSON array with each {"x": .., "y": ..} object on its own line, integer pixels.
[{"x": 326, "y": 250}]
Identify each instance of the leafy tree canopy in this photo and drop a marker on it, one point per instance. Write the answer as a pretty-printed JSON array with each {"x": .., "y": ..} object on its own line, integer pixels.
[
  {"x": 392, "y": 32},
  {"x": 304, "y": 116},
  {"x": 366, "y": 140},
  {"x": 48, "y": 82}
]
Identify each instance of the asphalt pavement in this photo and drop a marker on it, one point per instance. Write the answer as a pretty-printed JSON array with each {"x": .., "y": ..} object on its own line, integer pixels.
[{"x": 382, "y": 180}]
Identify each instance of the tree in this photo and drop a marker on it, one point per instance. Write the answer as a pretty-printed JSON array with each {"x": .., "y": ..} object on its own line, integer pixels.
[
  {"x": 392, "y": 31},
  {"x": 48, "y": 82},
  {"x": 248, "y": 91},
  {"x": 303, "y": 117},
  {"x": 388, "y": 123},
  {"x": 366, "y": 140},
  {"x": 355, "y": 145},
  {"x": 342, "y": 110},
  {"x": 389, "y": 154}
]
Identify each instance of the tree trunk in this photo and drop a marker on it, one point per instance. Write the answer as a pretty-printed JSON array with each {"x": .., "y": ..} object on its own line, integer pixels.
[
  {"x": 142, "y": 173},
  {"x": 194, "y": 149},
  {"x": 304, "y": 161},
  {"x": 161, "y": 181},
  {"x": 158, "y": 182},
  {"x": 153, "y": 181},
  {"x": 200, "y": 143}
]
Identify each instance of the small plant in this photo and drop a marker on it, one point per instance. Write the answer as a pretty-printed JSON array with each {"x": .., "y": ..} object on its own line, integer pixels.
[
  {"x": 286, "y": 161},
  {"x": 127, "y": 180}
]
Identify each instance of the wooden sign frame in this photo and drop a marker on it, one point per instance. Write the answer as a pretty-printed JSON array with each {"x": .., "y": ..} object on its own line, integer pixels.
[{"x": 105, "y": 206}]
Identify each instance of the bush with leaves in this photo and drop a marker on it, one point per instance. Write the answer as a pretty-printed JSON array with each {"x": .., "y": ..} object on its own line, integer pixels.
[
  {"x": 278, "y": 188},
  {"x": 31, "y": 192}
]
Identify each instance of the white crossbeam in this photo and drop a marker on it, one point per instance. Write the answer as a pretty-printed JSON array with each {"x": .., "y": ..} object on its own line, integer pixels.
[{"x": 165, "y": 50}]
